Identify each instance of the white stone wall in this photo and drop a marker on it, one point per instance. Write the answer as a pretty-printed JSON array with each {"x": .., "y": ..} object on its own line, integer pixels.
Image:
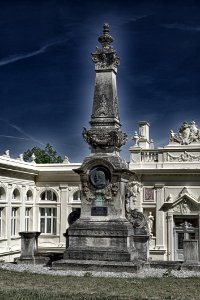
[{"x": 36, "y": 180}]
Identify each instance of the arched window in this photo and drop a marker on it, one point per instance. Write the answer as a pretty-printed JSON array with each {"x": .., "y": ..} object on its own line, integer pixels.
[
  {"x": 48, "y": 195},
  {"x": 29, "y": 195},
  {"x": 77, "y": 196},
  {"x": 48, "y": 213},
  {"x": 15, "y": 194},
  {"x": 2, "y": 193}
]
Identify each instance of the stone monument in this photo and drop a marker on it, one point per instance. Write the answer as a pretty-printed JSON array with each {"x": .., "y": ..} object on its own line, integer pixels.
[{"x": 102, "y": 236}]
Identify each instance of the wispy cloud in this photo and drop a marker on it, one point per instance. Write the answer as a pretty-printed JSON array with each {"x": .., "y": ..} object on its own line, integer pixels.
[
  {"x": 14, "y": 137},
  {"x": 120, "y": 20},
  {"x": 26, "y": 135},
  {"x": 21, "y": 56},
  {"x": 182, "y": 27}
]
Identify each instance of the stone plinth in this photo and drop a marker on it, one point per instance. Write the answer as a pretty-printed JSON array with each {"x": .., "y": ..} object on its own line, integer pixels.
[
  {"x": 29, "y": 249},
  {"x": 190, "y": 251},
  {"x": 29, "y": 243},
  {"x": 141, "y": 244}
]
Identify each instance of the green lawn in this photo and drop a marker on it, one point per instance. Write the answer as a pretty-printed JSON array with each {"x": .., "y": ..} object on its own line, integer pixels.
[{"x": 27, "y": 286}]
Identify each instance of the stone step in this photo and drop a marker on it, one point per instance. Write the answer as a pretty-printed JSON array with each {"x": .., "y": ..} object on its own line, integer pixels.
[{"x": 95, "y": 265}]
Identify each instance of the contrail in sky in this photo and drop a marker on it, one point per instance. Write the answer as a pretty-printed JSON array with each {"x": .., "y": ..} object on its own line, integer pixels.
[
  {"x": 14, "y": 137},
  {"x": 14, "y": 58},
  {"x": 20, "y": 130}
]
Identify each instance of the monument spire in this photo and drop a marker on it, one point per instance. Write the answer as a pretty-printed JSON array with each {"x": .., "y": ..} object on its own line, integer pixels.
[{"x": 105, "y": 134}]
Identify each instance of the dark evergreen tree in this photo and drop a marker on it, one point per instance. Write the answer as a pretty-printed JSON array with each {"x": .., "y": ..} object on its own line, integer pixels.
[{"x": 48, "y": 155}]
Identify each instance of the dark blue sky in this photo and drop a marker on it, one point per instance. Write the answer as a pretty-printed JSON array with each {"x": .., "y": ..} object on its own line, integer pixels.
[{"x": 47, "y": 76}]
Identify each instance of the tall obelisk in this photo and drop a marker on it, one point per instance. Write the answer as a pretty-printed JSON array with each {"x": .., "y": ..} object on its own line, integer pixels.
[
  {"x": 103, "y": 238},
  {"x": 103, "y": 234}
]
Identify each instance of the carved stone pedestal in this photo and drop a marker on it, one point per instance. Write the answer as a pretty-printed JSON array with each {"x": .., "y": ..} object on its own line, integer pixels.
[
  {"x": 29, "y": 249},
  {"x": 141, "y": 244},
  {"x": 29, "y": 244}
]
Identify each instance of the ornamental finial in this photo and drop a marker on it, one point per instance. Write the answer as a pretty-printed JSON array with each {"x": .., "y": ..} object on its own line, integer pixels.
[
  {"x": 106, "y": 28},
  {"x": 105, "y": 57},
  {"x": 106, "y": 39}
]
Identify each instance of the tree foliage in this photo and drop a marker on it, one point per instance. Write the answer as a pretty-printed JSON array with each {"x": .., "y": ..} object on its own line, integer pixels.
[{"x": 48, "y": 155}]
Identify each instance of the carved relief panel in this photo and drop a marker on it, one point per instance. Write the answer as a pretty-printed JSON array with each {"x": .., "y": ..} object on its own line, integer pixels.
[
  {"x": 149, "y": 194},
  {"x": 185, "y": 207}
]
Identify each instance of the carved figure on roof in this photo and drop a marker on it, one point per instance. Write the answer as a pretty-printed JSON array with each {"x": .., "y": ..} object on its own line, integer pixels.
[{"x": 187, "y": 134}]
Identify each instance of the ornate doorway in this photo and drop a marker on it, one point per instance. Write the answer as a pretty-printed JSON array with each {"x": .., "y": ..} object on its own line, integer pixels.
[{"x": 185, "y": 228}]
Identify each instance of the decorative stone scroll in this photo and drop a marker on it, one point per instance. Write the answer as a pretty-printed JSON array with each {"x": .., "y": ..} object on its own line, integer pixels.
[
  {"x": 111, "y": 191},
  {"x": 136, "y": 218},
  {"x": 89, "y": 195},
  {"x": 105, "y": 137},
  {"x": 185, "y": 156},
  {"x": 187, "y": 134}
]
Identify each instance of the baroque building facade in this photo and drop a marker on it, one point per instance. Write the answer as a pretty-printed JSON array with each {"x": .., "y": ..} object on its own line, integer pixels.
[
  {"x": 165, "y": 187},
  {"x": 157, "y": 192}
]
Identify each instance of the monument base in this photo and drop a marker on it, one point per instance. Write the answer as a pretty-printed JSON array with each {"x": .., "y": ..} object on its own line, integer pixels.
[
  {"x": 110, "y": 240},
  {"x": 96, "y": 265}
]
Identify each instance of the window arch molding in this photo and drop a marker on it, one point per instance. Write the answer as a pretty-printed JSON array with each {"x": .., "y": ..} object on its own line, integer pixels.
[
  {"x": 76, "y": 194},
  {"x": 29, "y": 194},
  {"x": 16, "y": 193},
  {"x": 49, "y": 194},
  {"x": 3, "y": 191}
]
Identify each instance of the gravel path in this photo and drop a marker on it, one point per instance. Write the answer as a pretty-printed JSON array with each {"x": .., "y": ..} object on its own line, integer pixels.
[{"x": 39, "y": 269}]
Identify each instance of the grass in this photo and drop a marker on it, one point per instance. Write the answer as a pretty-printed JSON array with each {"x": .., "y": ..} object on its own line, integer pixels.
[{"x": 23, "y": 286}]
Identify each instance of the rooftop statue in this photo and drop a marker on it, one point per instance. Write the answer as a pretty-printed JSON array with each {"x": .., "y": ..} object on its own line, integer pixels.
[{"x": 187, "y": 134}]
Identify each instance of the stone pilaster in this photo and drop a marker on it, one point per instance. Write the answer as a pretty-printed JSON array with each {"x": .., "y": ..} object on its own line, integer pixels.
[
  {"x": 63, "y": 211},
  {"x": 35, "y": 212},
  {"x": 22, "y": 210},
  {"x": 160, "y": 222},
  {"x": 8, "y": 214},
  {"x": 170, "y": 236}
]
